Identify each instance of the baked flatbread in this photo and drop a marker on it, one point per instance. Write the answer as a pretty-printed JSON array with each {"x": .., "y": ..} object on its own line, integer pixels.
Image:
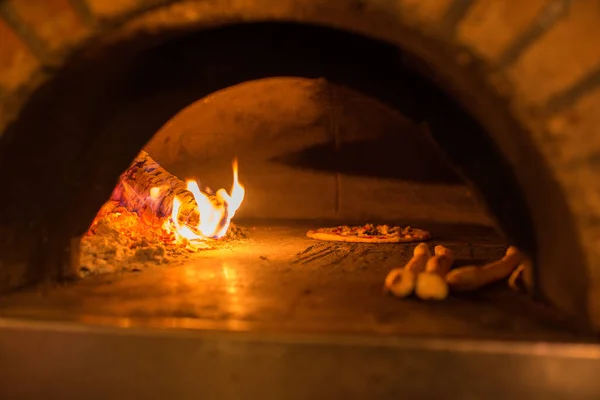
[{"x": 370, "y": 233}]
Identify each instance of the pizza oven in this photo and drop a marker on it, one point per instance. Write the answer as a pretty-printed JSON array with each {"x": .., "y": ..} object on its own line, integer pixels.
[{"x": 161, "y": 180}]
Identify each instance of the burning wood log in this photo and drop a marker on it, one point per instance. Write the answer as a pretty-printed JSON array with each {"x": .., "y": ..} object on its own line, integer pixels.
[
  {"x": 153, "y": 218},
  {"x": 155, "y": 195},
  {"x": 148, "y": 189}
]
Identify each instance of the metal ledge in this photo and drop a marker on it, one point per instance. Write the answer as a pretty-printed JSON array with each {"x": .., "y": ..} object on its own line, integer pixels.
[{"x": 70, "y": 361}]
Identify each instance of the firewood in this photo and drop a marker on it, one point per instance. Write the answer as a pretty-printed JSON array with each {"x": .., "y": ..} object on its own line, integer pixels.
[
  {"x": 148, "y": 189},
  {"x": 401, "y": 281}
]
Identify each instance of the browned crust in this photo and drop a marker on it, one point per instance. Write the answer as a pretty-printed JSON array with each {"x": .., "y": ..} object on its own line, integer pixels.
[{"x": 417, "y": 235}]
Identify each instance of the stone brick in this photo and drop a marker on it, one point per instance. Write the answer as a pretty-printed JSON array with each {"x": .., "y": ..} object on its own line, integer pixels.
[
  {"x": 425, "y": 10},
  {"x": 54, "y": 21},
  {"x": 575, "y": 157},
  {"x": 584, "y": 116},
  {"x": 16, "y": 61},
  {"x": 491, "y": 26},
  {"x": 111, "y": 8},
  {"x": 562, "y": 56}
]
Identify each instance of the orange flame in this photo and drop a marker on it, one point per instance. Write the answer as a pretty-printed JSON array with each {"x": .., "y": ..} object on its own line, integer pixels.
[{"x": 214, "y": 219}]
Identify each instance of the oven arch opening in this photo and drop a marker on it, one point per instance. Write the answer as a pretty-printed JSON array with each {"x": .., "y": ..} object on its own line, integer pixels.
[{"x": 124, "y": 89}]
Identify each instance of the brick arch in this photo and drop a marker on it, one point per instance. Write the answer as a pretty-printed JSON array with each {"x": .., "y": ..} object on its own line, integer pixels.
[{"x": 539, "y": 115}]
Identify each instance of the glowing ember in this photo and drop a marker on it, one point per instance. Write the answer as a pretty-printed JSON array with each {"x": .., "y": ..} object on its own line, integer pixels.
[
  {"x": 215, "y": 217},
  {"x": 154, "y": 193},
  {"x": 148, "y": 220}
]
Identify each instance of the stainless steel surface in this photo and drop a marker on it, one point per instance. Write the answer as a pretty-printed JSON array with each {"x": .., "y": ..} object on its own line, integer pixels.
[{"x": 71, "y": 361}]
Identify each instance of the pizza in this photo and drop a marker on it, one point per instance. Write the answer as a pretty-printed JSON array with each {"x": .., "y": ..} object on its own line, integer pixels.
[{"x": 370, "y": 233}]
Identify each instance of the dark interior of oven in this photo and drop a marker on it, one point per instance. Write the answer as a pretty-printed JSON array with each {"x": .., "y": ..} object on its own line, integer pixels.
[{"x": 329, "y": 129}]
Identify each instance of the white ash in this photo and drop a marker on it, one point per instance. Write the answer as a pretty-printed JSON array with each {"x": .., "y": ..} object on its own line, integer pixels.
[
  {"x": 120, "y": 241},
  {"x": 108, "y": 250}
]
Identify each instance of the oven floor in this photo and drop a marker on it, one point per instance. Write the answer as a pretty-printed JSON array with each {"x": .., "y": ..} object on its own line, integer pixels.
[{"x": 279, "y": 280}]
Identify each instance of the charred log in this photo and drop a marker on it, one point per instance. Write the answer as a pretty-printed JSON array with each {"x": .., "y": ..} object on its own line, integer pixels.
[{"x": 148, "y": 189}]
